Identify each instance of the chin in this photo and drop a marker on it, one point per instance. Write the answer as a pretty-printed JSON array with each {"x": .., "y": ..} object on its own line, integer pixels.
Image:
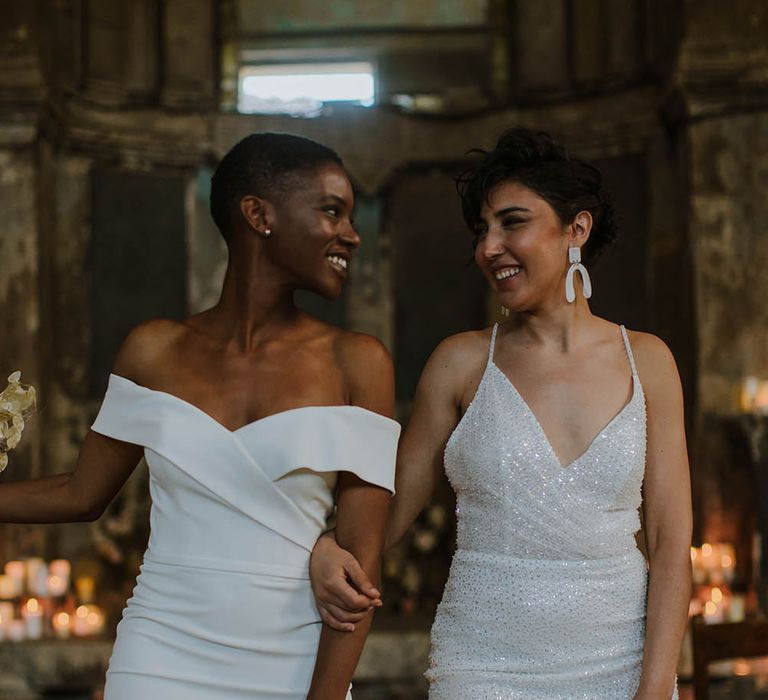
[
  {"x": 329, "y": 291},
  {"x": 516, "y": 304}
]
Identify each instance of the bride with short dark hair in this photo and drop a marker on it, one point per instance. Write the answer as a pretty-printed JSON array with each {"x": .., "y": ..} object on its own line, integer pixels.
[{"x": 555, "y": 428}]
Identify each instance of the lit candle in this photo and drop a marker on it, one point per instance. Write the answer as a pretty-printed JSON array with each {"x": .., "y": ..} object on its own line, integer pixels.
[
  {"x": 728, "y": 562},
  {"x": 32, "y": 612},
  {"x": 7, "y": 587},
  {"x": 62, "y": 624},
  {"x": 56, "y": 585},
  {"x": 95, "y": 620},
  {"x": 6, "y": 617},
  {"x": 6, "y": 612},
  {"x": 738, "y": 607},
  {"x": 89, "y": 620},
  {"x": 16, "y": 630},
  {"x": 17, "y": 572},
  {"x": 61, "y": 568},
  {"x": 84, "y": 587},
  {"x": 699, "y": 572},
  {"x": 712, "y": 612},
  {"x": 37, "y": 577}
]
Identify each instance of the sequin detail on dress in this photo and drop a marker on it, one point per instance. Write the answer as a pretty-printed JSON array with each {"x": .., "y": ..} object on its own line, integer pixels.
[{"x": 547, "y": 590}]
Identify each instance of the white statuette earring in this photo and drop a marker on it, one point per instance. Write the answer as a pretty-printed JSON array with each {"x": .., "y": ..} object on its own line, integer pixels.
[{"x": 574, "y": 257}]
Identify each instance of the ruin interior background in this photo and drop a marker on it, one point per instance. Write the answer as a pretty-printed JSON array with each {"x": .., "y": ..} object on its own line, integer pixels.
[{"x": 113, "y": 114}]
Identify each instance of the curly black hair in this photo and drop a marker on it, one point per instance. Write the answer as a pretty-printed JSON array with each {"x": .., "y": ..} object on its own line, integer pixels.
[
  {"x": 538, "y": 162},
  {"x": 266, "y": 165}
]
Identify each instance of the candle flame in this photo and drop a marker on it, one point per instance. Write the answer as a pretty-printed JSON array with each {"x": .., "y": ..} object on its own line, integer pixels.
[
  {"x": 62, "y": 619},
  {"x": 33, "y": 605}
]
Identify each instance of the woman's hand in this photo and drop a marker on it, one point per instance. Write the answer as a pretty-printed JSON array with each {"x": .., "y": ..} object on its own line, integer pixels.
[{"x": 343, "y": 592}]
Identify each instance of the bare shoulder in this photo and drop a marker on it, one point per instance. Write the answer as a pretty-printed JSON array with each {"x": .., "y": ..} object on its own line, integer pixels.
[
  {"x": 360, "y": 350},
  {"x": 367, "y": 367},
  {"x": 145, "y": 346},
  {"x": 461, "y": 353},
  {"x": 655, "y": 363}
]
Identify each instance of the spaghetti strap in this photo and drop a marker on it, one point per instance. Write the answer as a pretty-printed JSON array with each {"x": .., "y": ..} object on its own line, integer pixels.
[
  {"x": 629, "y": 351},
  {"x": 493, "y": 343}
]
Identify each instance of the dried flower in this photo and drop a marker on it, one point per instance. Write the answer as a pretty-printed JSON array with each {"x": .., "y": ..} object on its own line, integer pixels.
[{"x": 17, "y": 401}]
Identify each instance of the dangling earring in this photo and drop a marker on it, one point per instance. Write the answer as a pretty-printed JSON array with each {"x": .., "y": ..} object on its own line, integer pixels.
[
  {"x": 574, "y": 257},
  {"x": 505, "y": 312}
]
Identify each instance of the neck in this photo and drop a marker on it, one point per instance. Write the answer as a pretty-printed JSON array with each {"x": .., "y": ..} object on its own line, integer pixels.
[
  {"x": 555, "y": 322},
  {"x": 256, "y": 300}
]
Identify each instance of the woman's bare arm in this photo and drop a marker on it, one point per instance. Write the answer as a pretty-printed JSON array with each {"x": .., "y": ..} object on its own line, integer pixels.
[
  {"x": 667, "y": 517},
  {"x": 343, "y": 593},
  {"x": 103, "y": 464},
  {"x": 361, "y": 517}
]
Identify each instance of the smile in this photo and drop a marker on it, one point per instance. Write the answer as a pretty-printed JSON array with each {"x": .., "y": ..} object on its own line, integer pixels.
[
  {"x": 507, "y": 272},
  {"x": 338, "y": 262}
]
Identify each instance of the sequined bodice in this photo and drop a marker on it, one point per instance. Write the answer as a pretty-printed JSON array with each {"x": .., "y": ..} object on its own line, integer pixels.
[
  {"x": 546, "y": 598},
  {"x": 514, "y": 497}
]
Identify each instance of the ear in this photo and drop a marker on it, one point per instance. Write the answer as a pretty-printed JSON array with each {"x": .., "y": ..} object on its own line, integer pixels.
[
  {"x": 258, "y": 213},
  {"x": 580, "y": 228}
]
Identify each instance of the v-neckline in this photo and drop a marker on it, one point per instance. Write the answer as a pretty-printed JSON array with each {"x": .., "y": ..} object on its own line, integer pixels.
[{"x": 542, "y": 432}]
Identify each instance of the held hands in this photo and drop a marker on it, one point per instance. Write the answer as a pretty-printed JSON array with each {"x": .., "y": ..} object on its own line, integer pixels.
[{"x": 343, "y": 593}]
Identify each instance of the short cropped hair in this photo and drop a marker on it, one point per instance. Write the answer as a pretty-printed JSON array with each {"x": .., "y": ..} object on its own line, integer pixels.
[{"x": 266, "y": 165}]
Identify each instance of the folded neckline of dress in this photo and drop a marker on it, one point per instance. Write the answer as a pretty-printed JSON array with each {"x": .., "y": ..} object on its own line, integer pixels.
[{"x": 286, "y": 413}]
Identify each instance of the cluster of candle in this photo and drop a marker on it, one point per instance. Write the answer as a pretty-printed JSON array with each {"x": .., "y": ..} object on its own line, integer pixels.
[
  {"x": 714, "y": 566},
  {"x": 36, "y": 600},
  {"x": 754, "y": 395}
]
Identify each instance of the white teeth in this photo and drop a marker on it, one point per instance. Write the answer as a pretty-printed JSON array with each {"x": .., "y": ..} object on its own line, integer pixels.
[
  {"x": 507, "y": 272},
  {"x": 339, "y": 262}
]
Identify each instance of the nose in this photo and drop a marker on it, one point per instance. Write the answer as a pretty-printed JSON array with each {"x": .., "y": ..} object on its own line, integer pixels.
[
  {"x": 490, "y": 246},
  {"x": 350, "y": 236}
]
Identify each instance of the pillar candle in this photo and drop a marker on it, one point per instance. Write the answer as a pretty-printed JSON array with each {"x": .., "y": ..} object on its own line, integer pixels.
[
  {"x": 8, "y": 587},
  {"x": 16, "y": 570},
  {"x": 37, "y": 577},
  {"x": 84, "y": 587},
  {"x": 32, "y": 612},
  {"x": 61, "y": 568},
  {"x": 16, "y": 630},
  {"x": 62, "y": 624}
]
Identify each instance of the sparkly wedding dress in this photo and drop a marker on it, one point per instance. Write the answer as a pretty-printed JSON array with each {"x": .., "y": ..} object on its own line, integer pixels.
[
  {"x": 547, "y": 590},
  {"x": 223, "y": 608}
]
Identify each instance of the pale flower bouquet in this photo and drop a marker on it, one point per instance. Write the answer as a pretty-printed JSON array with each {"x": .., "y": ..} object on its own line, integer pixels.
[{"x": 17, "y": 402}]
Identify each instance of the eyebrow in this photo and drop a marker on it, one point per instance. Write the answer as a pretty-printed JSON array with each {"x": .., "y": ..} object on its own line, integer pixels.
[
  {"x": 335, "y": 198},
  {"x": 509, "y": 210}
]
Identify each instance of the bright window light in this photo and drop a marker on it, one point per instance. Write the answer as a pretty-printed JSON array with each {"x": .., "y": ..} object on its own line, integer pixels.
[{"x": 302, "y": 89}]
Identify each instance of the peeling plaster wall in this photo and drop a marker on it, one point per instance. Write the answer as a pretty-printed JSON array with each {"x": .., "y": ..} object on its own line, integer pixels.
[
  {"x": 19, "y": 302},
  {"x": 729, "y": 208},
  {"x": 310, "y": 15}
]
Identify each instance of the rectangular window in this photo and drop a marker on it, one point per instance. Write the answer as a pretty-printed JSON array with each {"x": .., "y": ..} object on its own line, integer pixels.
[{"x": 301, "y": 89}]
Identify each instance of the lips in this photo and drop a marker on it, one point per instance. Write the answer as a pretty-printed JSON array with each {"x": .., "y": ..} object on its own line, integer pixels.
[
  {"x": 338, "y": 263},
  {"x": 507, "y": 272}
]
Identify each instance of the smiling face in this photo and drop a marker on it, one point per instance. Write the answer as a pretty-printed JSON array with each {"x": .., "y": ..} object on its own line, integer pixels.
[
  {"x": 314, "y": 236},
  {"x": 522, "y": 247}
]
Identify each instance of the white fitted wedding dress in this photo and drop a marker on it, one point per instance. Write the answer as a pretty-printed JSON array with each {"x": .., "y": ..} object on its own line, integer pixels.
[
  {"x": 547, "y": 591},
  {"x": 223, "y": 608}
]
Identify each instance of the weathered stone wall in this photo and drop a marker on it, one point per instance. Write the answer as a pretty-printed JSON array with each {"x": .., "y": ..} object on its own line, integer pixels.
[
  {"x": 676, "y": 89},
  {"x": 729, "y": 211}
]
